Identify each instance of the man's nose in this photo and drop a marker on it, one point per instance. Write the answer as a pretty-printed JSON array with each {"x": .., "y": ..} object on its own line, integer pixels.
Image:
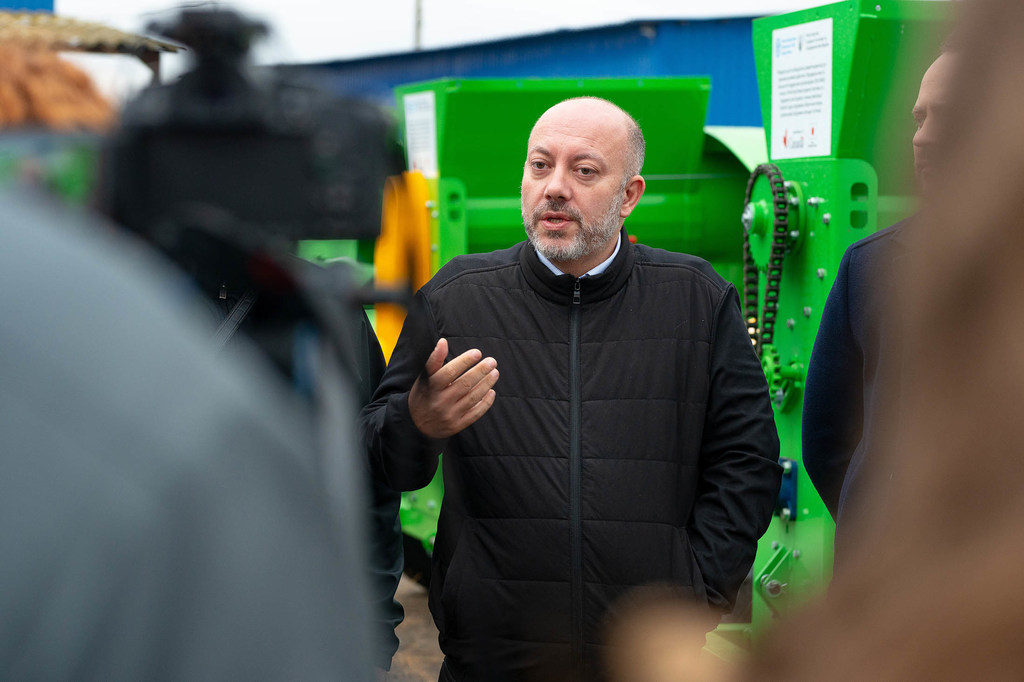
[
  {"x": 925, "y": 135},
  {"x": 558, "y": 187}
]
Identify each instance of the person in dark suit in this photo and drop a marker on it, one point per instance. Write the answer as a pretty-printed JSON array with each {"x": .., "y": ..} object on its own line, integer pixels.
[
  {"x": 848, "y": 372},
  {"x": 855, "y": 361}
]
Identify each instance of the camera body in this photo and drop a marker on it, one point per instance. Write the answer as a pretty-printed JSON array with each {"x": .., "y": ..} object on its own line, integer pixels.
[
  {"x": 279, "y": 157},
  {"x": 227, "y": 168}
]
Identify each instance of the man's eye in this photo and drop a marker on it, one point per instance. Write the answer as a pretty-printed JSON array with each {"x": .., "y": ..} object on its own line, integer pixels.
[
  {"x": 538, "y": 165},
  {"x": 587, "y": 171}
]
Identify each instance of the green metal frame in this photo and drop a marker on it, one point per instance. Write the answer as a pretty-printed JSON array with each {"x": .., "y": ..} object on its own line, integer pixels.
[{"x": 881, "y": 48}]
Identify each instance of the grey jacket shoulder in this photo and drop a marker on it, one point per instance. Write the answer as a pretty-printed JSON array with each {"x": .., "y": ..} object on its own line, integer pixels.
[{"x": 143, "y": 469}]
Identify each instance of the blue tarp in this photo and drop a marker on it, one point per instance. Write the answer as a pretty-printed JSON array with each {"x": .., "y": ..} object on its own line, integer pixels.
[{"x": 27, "y": 5}]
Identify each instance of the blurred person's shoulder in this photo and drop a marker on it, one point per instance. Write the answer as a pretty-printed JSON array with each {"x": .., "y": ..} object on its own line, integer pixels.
[
  {"x": 890, "y": 237},
  {"x": 97, "y": 309},
  {"x": 136, "y": 457}
]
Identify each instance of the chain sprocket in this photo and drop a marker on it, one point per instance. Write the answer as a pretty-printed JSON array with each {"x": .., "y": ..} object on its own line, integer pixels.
[{"x": 761, "y": 326}]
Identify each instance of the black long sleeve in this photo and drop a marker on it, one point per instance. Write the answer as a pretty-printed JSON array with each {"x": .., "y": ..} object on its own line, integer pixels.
[
  {"x": 401, "y": 456},
  {"x": 740, "y": 473}
]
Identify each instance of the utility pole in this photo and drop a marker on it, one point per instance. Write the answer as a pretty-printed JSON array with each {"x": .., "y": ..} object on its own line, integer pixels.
[{"x": 418, "y": 30}]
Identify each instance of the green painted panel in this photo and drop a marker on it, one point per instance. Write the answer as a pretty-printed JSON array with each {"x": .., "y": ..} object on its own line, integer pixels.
[
  {"x": 746, "y": 144},
  {"x": 482, "y": 128}
]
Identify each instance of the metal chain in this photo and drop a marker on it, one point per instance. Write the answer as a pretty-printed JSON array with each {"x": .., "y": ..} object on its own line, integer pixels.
[{"x": 762, "y": 332}]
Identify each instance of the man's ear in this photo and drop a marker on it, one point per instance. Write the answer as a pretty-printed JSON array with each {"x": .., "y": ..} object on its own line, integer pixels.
[{"x": 634, "y": 190}]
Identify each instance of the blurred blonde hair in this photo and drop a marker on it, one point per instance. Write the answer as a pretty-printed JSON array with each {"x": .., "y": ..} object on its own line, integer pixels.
[
  {"x": 932, "y": 590},
  {"x": 38, "y": 88}
]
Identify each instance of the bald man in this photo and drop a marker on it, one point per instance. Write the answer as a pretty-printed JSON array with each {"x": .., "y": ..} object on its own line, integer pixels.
[
  {"x": 854, "y": 369},
  {"x": 604, "y": 419}
]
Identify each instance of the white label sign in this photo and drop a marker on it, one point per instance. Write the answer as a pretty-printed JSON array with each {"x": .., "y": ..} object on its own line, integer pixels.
[
  {"x": 421, "y": 132},
  {"x": 802, "y": 90}
]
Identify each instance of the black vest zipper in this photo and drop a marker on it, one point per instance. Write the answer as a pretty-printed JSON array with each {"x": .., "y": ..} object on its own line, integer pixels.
[{"x": 575, "y": 474}]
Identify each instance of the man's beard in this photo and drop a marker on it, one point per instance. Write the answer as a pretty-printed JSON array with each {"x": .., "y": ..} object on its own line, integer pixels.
[{"x": 588, "y": 239}]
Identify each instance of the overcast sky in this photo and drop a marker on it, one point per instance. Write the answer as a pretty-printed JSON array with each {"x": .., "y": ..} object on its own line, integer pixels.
[
  {"x": 316, "y": 30},
  {"x": 309, "y": 30}
]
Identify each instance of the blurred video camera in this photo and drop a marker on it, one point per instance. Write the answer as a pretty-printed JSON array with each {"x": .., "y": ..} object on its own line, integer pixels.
[
  {"x": 226, "y": 169},
  {"x": 290, "y": 160}
]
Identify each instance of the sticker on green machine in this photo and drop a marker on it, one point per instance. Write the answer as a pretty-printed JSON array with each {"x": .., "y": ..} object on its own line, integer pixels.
[
  {"x": 801, "y": 123},
  {"x": 421, "y": 132}
]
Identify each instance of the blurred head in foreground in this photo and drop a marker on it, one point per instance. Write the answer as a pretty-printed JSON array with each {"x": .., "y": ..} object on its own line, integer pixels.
[{"x": 933, "y": 593}]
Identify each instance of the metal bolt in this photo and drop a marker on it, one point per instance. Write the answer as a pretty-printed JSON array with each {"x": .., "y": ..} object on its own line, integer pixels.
[
  {"x": 786, "y": 514},
  {"x": 814, "y": 201},
  {"x": 794, "y": 201},
  {"x": 773, "y": 588},
  {"x": 434, "y": 214},
  {"x": 807, "y": 311},
  {"x": 787, "y": 466},
  {"x": 431, "y": 504},
  {"x": 775, "y": 545},
  {"x": 430, "y": 204},
  {"x": 747, "y": 218},
  {"x": 826, "y": 219},
  {"x": 791, "y": 323},
  {"x": 878, "y": 8},
  {"x": 795, "y": 234},
  {"x": 821, "y": 273},
  {"x": 796, "y": 553},
  {"x": 434, "y": 248}
]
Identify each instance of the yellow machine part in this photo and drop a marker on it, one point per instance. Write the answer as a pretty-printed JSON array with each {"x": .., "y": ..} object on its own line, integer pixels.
[{"x": 402, "y": 256}]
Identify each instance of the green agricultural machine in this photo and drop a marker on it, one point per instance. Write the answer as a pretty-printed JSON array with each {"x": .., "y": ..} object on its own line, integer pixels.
[
  {"x": 773, "y": 210},
  {"x": 837, "y": 86}
]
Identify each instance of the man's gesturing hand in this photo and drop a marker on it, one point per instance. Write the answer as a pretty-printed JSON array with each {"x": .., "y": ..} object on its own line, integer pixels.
[{"x": 447, "y": 398}]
